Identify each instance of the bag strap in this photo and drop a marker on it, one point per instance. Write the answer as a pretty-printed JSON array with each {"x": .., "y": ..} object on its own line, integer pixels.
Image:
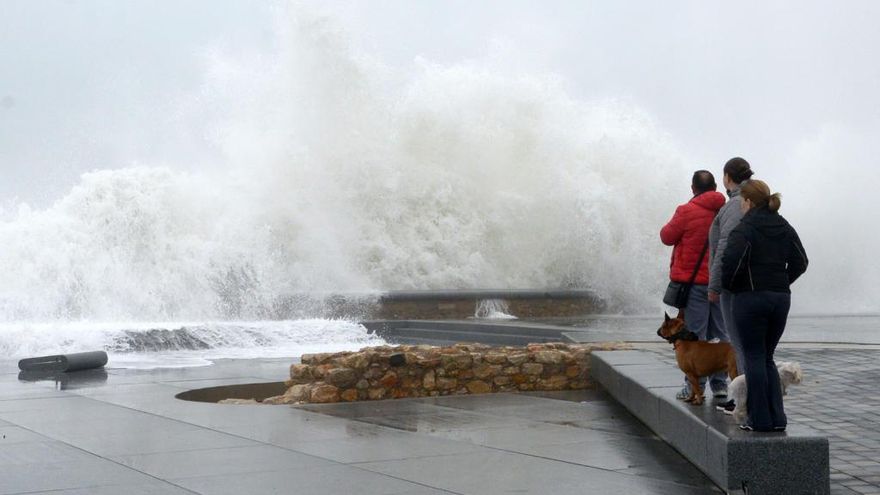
[{"x": 699, "y": 263}]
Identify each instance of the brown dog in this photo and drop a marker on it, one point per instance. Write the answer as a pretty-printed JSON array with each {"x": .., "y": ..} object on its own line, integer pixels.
[{"x": 697, "y": 358}]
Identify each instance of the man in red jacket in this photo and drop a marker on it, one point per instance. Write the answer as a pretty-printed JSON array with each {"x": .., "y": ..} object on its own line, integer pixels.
[{"x": 688, "y": 232}]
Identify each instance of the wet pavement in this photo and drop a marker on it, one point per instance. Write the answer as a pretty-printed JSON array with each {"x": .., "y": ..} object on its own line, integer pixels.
[{"x": 122, "y": 431}]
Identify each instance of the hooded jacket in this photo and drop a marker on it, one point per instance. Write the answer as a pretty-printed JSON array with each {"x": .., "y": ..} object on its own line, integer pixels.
[
  {"x": 688, "y": 231},
  {"x": 764, "y": 253},
  {"x": 727, "y": 219}
]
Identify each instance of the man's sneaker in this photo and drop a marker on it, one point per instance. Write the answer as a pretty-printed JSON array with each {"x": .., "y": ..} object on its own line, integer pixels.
[
  {"x": 683, "y": 394},
  {"x": 726, "y": 407}
]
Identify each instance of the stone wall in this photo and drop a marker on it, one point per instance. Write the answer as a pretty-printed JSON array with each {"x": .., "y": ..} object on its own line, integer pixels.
[{"x": 387, "y": 372}]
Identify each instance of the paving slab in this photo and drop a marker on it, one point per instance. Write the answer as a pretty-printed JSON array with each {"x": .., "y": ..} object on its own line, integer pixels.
[
  {"x": 476, "y": 474},
  {"x": 85, "y": 472},
  {"x": 524, "y": 436},
  {"x": 216, "y": 462},
  {"x": 10, "y": 434},
  {"x": 151, "y": 488},
  {"x": 305, "y": 481},
  {"x": 387, "y": 446}
]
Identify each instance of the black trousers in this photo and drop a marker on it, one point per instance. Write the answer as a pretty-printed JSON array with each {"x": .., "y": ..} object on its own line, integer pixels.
[{"x": 760, "y": 320}]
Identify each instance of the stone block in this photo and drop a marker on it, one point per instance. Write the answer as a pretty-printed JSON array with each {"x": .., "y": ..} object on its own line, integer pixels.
[
  {"x": 484, "y": 371},
  {"x": 357, "y": 361},
  {"x": 301, "y": 373},
  {"x": 639, "y": 401},
  {"x": 502, "y": 380},
  {"x": 447, "y": 383},
  {"x": 741, "y": 459},
  {"x": 478, "y": 387},
  {"x": 341, "y": 377},
  {"x": 324, "y": 393},
  {"x": 532, "y": 368},
  {"x": 389, "y": 379},
  {"x": 555, "y": 382},
  {"x": 679, "y": 428},
  {"x": 349, "y": 395},
  {"x": 495, "y": 358},
  {"x": 428, "y": 380},
  {"x": 298, "y": 393},
  {"x": 548, "y": 357}
]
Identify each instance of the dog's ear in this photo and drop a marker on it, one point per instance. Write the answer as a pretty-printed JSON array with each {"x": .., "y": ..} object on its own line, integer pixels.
[
  {"x": 680, "y": 314},
  {"x": 667, "y": 316}
]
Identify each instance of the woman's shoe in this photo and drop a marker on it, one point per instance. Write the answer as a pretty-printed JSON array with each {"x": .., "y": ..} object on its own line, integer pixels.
[
  {"x": 726, "y": 407},
  {"x": 777, "y": 429}
]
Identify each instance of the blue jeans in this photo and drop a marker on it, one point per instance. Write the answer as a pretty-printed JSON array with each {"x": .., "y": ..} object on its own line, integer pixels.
[
  {"x": 705, "y": 319},
  {"x": 732, "y": 332},
  {"x": 760, "y": 318}
]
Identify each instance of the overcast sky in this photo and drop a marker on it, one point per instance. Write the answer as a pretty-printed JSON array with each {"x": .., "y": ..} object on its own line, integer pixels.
[{"x": 80, "y": 78}]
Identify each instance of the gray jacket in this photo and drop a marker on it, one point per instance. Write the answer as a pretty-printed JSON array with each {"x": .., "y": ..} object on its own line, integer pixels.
[{"x": 727, "y": 218}]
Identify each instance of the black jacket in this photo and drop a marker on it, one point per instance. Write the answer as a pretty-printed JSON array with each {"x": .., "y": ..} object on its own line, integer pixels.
[{"x": 763, "y": 253}]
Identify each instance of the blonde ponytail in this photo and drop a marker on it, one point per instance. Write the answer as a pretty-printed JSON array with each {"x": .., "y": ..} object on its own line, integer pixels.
[{"x": 774, "y": 202}]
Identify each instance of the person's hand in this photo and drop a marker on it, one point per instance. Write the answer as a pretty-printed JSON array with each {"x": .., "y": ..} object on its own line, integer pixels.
[{"x": 714, "y": 297}]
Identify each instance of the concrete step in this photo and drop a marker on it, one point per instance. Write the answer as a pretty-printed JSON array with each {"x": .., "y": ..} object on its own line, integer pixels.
[{"x": 750, "y": 463}]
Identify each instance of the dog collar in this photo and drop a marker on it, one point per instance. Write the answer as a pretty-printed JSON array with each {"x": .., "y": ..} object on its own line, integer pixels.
[{"x": 683, "y": 334}]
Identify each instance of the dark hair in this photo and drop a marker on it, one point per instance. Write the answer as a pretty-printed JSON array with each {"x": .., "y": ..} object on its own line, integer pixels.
[
  {"x": 738, "y": 169},
  {"x": 703, "y": 181},
  {"x": 758, "y": 192}
]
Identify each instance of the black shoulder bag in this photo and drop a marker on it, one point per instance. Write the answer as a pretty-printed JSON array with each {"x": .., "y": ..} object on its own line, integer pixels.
[{"x": 677, "y": 293}]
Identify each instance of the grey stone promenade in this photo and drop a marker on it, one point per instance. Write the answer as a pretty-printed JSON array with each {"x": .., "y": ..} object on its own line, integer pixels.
[{"x": 124, "y": 432}]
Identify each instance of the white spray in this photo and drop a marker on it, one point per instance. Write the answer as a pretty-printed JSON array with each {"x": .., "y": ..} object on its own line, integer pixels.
[{"x": 338, "y": 177}]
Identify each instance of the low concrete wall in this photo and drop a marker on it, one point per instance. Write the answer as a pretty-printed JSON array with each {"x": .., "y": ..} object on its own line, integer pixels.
[
  {"x": 426, "y": 305},
  {"x": 751, "y": 463},
  {"x": 425, "y": 371},
  {"x": 443, "y": 304}
]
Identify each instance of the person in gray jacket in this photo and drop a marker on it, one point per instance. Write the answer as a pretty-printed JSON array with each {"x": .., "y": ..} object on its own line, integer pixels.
[{"x": 736, "y": 172}]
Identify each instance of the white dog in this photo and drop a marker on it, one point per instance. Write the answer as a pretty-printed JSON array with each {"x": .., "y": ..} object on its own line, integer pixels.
[{"x": 789, "y": 374}]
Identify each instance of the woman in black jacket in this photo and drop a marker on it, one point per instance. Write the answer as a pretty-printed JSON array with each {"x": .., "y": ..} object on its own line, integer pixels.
[{"x": 763, "y": 257}]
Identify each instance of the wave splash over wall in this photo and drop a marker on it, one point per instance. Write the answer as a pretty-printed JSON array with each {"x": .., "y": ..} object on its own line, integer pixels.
[
  {"x": 337, "y": 174},
  {"x": 163, "y": 344}
]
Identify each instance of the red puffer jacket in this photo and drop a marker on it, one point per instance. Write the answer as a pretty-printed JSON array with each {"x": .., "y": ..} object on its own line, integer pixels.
[{"x": 688, "y": 231}]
